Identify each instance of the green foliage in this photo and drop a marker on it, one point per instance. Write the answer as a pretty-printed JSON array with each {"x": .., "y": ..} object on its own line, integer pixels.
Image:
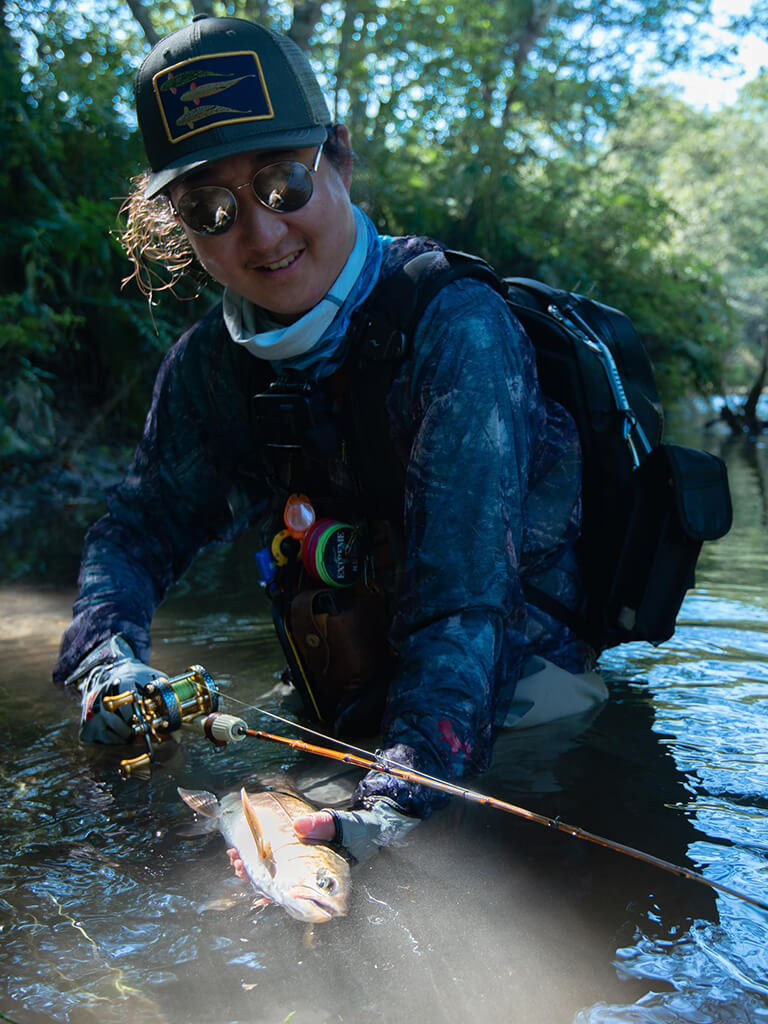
[
  {"x": 68, "y": 336},
  {"x": 511, "y": 128}
]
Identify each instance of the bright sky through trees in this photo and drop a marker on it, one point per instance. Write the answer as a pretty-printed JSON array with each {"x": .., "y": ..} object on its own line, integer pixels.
[{"x": 714, "y": 88}]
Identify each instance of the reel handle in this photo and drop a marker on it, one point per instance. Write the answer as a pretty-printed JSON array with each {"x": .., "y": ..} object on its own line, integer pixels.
[
  {"x": 117, "y": 700},
  {"x": 130, "y": 764}
]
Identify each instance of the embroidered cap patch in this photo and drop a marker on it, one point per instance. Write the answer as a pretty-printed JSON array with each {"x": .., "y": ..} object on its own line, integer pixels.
[{"x": 207, "y": 92}]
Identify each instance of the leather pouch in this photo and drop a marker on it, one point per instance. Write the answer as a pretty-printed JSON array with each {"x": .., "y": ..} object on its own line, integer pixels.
[{"x": 341, "y": 639}]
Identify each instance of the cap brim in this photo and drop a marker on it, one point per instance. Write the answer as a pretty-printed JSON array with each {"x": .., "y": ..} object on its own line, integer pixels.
[{"x": 295, "y": 139}]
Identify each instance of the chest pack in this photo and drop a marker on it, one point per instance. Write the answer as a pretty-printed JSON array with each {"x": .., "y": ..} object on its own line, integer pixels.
[{"x": 647, "y": 506}]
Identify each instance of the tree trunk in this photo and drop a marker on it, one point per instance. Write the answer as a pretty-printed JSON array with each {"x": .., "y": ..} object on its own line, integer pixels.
[
  {"x": 354, "y": 117},
  {"x": 305, "y": 18},
  {"x": 750, "y": 406},
  {"x": 141, "y": 14},
  {"x": 255, "y": 10},
  {"x": 541, "y": 13},
  {"x": 744, "y": 420}
]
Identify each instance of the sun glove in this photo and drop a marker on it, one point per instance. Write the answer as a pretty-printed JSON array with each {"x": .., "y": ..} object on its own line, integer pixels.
[
  {"x": 109, "y": 669},
  {"x": 380, "y": 823}
]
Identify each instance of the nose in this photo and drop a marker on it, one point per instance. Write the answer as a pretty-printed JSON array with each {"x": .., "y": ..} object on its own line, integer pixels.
[{"x": 258, "y": 226}]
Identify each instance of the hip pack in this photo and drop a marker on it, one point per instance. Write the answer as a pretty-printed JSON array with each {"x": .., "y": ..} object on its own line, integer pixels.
[{"x": 647, "y": 506}]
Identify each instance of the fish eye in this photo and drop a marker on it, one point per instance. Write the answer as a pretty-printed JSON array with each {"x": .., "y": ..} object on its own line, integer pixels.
[{"x": 325, "y": 881}]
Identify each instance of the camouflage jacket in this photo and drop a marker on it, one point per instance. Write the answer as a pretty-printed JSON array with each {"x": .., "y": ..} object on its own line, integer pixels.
[{"x": 492, "y": 497}]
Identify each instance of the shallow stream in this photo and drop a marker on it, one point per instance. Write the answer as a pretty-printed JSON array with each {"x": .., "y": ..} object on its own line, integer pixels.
[{"x": 108, "y": 913}]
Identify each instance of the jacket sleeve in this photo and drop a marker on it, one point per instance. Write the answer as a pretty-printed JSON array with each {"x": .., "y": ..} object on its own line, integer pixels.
[
  {"x": 481, "y": 437},
  {"x": 182, "y": 492}
]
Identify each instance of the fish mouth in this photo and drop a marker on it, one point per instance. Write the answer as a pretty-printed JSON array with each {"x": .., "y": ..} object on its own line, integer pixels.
[
  {"x": 314, "y": 907},
  {"x": 314, "y": 912}
]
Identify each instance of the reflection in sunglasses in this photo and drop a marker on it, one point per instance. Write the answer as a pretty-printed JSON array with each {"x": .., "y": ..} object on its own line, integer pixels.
[
  {"x": 282, "y": 187},
  {"x": 275, "y": 198}
]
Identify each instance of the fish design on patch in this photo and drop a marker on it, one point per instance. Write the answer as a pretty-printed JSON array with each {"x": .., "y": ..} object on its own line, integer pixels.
[
  {"x": 310, "y": 880},
  {"x": 195, "y": 114},
  {"x": 174, "y": 82},
  {"x": 197, "y": 92}
]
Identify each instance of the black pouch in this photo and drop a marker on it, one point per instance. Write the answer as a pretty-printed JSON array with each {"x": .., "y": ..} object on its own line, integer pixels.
[
  {"x": 299, "y": 418},
  {"x": 679, "y": 499}
]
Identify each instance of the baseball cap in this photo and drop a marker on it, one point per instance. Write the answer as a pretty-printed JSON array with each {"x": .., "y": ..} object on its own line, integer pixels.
[{"x": 222, "y": 86}]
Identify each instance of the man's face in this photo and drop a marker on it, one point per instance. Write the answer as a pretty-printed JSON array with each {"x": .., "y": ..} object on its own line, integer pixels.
[{"x": 282, "y": 262}]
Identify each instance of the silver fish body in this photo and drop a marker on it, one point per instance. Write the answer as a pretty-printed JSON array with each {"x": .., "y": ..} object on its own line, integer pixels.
[{"x": 310, "y": 880}]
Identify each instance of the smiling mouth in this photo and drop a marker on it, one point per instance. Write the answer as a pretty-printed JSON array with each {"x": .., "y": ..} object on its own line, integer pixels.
[{"x": 281, "y": 264}]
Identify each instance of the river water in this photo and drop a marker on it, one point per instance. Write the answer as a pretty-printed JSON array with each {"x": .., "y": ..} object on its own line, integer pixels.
[{"x": 110, "y": 913}]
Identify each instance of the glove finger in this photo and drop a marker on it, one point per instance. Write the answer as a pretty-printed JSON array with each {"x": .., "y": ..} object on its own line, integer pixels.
[{"x": 106, "y": 727}]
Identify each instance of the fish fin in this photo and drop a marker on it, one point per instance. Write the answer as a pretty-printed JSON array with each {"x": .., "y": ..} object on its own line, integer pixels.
[
  {"x": 220, "y": 905},
  {"x": 264, "y": 848},
  {"x": 201, "y": 801}
]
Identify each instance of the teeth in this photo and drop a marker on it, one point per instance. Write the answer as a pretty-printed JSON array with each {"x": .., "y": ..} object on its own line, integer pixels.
[{"x": 282, "y": 263}]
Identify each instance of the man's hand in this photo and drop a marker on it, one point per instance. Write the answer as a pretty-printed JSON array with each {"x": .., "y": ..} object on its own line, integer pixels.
[
  {"x": 110, "y": 669},
  {"x": 362, "y": 832}
]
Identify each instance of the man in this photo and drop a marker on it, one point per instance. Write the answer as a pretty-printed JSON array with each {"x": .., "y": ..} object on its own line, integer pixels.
[{"x": 240, "y": 143}]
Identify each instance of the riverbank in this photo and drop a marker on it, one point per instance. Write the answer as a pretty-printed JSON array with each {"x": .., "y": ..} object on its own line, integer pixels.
[{"x": 46, "y": 505}]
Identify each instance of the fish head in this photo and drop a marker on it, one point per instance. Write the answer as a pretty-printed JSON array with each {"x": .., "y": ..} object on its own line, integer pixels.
[{"x": 320, "y": 889}]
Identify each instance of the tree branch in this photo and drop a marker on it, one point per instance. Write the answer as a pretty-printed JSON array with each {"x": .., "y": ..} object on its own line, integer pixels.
[{"x": 750, "y": 406}]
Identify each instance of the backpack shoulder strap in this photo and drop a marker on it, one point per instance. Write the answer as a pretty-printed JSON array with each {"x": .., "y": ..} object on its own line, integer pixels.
[
  {"x": 391, "y": 314},
  {"x": 386, "y": 325}
]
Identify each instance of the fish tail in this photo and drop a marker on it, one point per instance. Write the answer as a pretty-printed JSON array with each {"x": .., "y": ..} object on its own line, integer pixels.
[{"x": 201, "y": 802}]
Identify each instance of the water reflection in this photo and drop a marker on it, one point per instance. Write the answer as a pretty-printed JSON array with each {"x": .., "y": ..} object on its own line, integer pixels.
[{"x": 109, "y": 913}]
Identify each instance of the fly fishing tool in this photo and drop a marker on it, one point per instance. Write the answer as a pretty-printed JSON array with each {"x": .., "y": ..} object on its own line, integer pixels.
[{"x": 187, "y": 698}]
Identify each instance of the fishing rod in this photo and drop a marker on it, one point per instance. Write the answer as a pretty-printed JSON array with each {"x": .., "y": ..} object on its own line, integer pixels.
[
  {"x": 185, "y": 699},
  {"x": 400, "y": 772},
  {"x": 237, "y": 729}
]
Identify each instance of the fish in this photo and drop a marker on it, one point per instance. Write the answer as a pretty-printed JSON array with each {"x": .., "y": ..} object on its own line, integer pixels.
[
  {"x": 196, "y": 92},
  {"x": 195, "y": 114},
  {"x": 309, "y": 879},
  {"x": 174, "y": 82}
]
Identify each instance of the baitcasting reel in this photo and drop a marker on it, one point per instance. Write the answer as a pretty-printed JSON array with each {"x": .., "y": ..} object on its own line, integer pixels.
[{"x": 165, "y": 705}]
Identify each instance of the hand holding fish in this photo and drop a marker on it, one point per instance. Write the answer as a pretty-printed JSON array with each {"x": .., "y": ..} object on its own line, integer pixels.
[
  {"x": 318, "y": 825},
  {"x": 309, "y": 880},
  {"x": 361, "y": 832}
]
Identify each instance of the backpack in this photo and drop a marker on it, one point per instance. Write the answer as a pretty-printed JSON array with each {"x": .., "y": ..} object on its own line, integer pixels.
[{"x": 647, "y": 506}]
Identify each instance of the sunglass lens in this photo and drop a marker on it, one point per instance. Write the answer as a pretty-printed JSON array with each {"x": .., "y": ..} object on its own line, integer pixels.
[
  {"x": 284, "y": 186},
  {"x": 209, "y": 210}
]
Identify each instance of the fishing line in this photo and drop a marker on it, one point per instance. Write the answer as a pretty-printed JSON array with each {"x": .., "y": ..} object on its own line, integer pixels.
[
  {"x": 374, "y": 762},
  {"x": 313, "y": 732},
  {"x": 376, "y": 758}
]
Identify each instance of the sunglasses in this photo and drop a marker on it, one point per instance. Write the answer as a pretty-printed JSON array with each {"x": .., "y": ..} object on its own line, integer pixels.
[{"x": 282, "y": 187}]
